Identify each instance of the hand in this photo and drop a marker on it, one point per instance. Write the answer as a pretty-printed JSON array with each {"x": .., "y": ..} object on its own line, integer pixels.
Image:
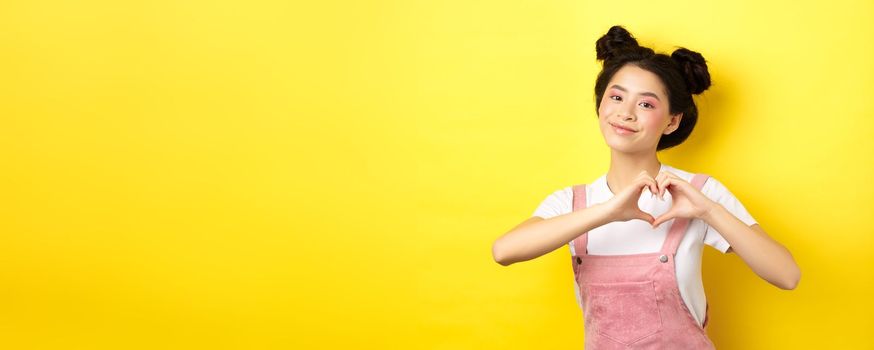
[
  {"x": 623, "y": 206},
  {"x": 688, "y": 202}
]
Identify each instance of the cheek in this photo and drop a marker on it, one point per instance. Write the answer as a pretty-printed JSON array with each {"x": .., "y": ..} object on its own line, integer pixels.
[
  {"x": 605, "y": 109},
  {"x": 653, "y": 121}
]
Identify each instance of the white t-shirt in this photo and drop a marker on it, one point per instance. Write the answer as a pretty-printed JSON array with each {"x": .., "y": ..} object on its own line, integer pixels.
[{"x": 637, "y": 236}]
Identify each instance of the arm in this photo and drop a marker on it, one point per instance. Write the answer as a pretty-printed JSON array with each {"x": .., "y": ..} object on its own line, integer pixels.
[
  {"x": 537, "y": 236},
  {"x": 765, "y": 256}
]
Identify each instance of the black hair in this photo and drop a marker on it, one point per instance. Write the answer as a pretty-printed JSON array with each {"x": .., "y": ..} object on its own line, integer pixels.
[{"x": 684, "y": 73}]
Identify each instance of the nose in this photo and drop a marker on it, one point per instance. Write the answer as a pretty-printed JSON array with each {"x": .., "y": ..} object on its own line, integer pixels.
[{"x": 626, "y": 113}]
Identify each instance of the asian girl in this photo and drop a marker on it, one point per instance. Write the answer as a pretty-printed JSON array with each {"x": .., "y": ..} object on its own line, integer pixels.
[{"x": 636, "y": 234}]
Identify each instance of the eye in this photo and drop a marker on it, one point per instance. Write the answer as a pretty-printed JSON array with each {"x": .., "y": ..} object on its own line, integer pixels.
[
  {"x": 617, "y": 98},
  {"x": 647, "y": 105}
]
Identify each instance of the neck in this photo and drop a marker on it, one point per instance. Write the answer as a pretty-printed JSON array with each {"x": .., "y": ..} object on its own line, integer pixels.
[{"x": 624, "y": 168}]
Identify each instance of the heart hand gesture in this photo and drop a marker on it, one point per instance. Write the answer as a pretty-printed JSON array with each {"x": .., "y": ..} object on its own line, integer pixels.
[{"x": 687, "y": 201}]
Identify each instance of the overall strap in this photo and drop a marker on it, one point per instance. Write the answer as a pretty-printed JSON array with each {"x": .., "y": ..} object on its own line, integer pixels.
[
  {"x": 579, "y": 244},
  {"x": 679, "y": 225}
]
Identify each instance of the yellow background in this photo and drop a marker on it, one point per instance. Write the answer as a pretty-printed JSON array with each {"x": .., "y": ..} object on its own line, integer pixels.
[{"x": 327, "y": 174}]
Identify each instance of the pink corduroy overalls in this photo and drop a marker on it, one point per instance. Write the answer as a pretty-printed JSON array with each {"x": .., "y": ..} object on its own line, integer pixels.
[{"x": 633, "y": 301}]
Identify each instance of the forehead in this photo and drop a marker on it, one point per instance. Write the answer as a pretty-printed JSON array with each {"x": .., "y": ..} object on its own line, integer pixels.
[{"x": 637, "y": 80}]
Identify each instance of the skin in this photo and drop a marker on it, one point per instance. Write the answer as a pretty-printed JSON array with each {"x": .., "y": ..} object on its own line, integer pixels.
[{"x": 636, "y": 99}]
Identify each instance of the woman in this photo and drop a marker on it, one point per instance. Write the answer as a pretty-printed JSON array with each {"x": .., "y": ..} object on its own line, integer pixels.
[{"x": 637, "y": 256}]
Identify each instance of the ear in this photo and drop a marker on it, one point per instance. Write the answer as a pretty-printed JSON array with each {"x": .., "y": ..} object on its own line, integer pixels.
[{"x": 674, "y": 124}]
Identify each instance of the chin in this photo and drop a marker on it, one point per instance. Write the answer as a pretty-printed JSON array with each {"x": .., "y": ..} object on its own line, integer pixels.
[{"x": 624, "y": 146}]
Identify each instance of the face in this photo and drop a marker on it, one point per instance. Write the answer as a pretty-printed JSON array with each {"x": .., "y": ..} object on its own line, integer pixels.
[{"x": 634, "y": 111}]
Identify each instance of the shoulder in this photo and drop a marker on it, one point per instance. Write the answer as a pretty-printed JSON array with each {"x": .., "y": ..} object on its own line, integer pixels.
[
  {"x": 556, "y": 203},
  {"x": 561, "y": 200},
  {"x": 565, "y": 193}
]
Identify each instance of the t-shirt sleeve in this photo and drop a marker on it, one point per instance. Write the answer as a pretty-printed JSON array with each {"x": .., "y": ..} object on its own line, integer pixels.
[
  {"x": 557, "y": 203},
  {"x": 717, "y": 192}
]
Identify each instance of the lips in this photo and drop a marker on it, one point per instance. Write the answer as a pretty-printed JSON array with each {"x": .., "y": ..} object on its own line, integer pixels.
[{"x": 622, "y": 129}]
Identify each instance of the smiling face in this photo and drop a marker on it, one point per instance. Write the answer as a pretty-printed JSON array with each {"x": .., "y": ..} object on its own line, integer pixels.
[{"x": 634, "y": 111}]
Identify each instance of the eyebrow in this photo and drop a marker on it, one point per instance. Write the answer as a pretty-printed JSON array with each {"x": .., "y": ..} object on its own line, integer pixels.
[{"x": 645, "y": 93}]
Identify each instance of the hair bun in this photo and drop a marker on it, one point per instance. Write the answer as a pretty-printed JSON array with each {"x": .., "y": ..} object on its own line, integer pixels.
[
  {"x": 616, "y": 40},
  {"x": 694, "y": 69}
]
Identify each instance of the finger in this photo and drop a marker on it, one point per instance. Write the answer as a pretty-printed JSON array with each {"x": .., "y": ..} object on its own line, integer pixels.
[
  {"x": 642, "y": 215},
  {"x": 676, "y": 177},
  {"x": 647, "y": 182},
  {"x": 664, "y": 217},
  {"x": 653, "y": 186},
  {"x": 663, "y": 186},
  {"x": 677, "y": 184},
  {"x": 657, "y": 180},
  {"x": 641, "y": 185}
]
